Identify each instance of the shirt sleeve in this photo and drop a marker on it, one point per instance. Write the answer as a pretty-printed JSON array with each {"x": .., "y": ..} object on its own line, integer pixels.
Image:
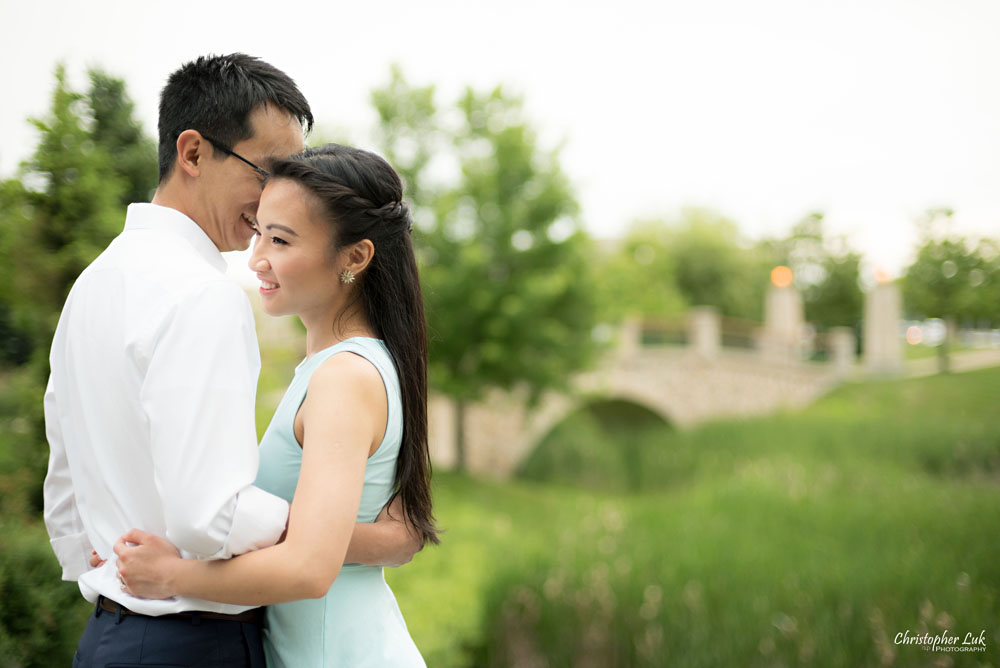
[
  {"x": 198, "y": 395},
  {"x": 62, "y": 516}
]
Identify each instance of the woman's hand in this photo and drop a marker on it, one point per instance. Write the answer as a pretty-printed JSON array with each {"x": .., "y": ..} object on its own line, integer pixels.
[
  {"x": 146, "y": 564},
  {"x": 95, "y": 559}
]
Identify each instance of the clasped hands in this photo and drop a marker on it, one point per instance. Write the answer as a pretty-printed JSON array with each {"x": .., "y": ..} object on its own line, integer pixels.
[{"x": 145, "y": 561}]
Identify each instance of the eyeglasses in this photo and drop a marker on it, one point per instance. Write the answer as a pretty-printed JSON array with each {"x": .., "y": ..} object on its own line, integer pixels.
[{"x": 261, "y": 172}]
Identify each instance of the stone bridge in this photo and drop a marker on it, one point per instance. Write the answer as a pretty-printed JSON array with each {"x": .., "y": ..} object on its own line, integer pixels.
[{"x": 684, "y": 384}]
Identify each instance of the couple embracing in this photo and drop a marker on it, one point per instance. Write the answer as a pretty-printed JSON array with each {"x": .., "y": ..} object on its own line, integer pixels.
[{"x": 157, "y": 499}]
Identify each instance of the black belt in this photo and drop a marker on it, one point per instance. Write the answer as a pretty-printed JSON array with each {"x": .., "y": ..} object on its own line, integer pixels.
[{"x": 253, "y": 616}]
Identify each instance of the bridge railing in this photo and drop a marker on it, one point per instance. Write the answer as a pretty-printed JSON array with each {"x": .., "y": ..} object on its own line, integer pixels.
[
  {"x": 685, "y": 330},
  {"x": 704, "y": 331}
]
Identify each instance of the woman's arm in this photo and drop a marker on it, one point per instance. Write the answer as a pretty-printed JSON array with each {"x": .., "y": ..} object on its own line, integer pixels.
[{"x": 340, "y": 427}]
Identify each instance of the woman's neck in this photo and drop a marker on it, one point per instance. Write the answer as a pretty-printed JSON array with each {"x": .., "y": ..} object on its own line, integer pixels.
[{"x": 325, "y": 331}]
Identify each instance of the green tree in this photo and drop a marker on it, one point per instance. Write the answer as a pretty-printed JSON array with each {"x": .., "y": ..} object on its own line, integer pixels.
[
  {"x": 116, "y": 130},
  {"x": 836, "y": 299},
  {"x": 941, "y": 282},
  {"x": 984, "y": 278},
  {"x": 714, "y": 267},
  {"x": 61, "y": 210},
  {"x": 503, "y": 257},
  {"x": 637, "y": 277},
  {"x": 826, "y": 270},
  {"x": 409, "y": 134}
]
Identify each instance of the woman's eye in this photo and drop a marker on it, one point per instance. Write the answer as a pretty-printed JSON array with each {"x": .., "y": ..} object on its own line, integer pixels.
[{"x": 279, "y": 241}]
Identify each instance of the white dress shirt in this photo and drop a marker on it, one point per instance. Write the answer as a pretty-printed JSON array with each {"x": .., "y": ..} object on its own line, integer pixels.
[{"x": 149, "y": 409}]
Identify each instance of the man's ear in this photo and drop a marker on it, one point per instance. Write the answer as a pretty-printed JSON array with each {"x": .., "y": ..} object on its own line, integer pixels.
[{"x": 191, "y": 150}]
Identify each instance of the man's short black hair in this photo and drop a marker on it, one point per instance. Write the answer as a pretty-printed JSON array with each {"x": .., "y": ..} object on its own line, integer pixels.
[{"x": 215, "y": 95}]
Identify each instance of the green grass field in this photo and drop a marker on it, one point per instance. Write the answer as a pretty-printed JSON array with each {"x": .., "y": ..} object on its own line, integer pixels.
[{"x": 807, "y": 538}]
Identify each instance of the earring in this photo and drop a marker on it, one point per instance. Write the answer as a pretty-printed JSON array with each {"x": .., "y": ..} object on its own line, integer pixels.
[{"x": 347, "y": 276}]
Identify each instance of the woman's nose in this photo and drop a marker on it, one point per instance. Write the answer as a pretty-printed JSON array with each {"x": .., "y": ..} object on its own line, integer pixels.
[{"x": 257, "y": 261}]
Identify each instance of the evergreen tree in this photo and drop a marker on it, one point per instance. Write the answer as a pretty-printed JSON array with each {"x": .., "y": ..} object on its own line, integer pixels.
[
  {"x": 56, "y": 216},
  {"x": 116, "y": 130}
]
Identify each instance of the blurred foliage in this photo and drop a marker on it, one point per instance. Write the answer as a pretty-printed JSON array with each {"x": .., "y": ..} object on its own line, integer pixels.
[
  {"x": 59, "y": 213},
  {"x": 638, "y": 275},
  {"x": 503, "y": 256},
  {"x": 662, "y": 267},
  {"x": 827, "y": 272},
  {"x": 952, "y": 279},
  {"x": 714, "y": 267},
  {"x": 41, "y": 617},
  {"x": 116, "y": 130}
]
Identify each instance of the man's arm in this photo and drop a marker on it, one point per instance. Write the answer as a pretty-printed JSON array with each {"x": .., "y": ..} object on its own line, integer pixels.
[
  {"x": 389, "y": 541},
  {"x": 198, "y": 394},
  {"x": 62, "y": 517}
]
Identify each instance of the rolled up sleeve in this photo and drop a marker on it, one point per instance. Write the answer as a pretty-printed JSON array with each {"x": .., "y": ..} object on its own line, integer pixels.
[
  {"x": 62, "y": 518},
  {"x": 198, "y": 395}
]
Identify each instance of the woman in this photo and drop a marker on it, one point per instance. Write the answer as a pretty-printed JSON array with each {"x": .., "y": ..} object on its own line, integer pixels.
[{"x": 333, "y": 248}]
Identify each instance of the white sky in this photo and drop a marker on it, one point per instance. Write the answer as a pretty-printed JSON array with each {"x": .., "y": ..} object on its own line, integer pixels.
[{"x": 871, "y": 111}]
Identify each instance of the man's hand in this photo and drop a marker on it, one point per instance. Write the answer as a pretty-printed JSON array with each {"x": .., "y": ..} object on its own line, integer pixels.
[
  {"x": 145, "y": 564},
  {"x": 402, "y": 534},
  {"x": 389, "y": 541}
]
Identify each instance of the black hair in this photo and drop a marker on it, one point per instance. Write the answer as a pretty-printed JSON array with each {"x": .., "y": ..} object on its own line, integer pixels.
[
  {"x": 215, "y": 95},
  {"x": 362, "y": 198}
]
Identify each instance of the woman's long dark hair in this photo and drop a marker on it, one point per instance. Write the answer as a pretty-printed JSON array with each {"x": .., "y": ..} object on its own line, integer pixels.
[{"x": 363, "y": 199}]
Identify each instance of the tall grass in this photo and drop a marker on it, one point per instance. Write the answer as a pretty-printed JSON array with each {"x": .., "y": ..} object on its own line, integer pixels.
[{"x": 807, "y": 538}]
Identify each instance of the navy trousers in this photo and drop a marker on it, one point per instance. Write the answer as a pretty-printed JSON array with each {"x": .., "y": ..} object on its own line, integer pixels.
[{"x": 114, "y": 640}]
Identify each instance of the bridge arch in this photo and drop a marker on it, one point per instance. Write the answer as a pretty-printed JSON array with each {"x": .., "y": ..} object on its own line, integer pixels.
[{"x": 594, "y": 440}]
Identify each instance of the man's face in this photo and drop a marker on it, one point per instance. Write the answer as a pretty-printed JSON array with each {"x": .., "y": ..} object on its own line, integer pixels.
[{"x": 231, "y": 188}]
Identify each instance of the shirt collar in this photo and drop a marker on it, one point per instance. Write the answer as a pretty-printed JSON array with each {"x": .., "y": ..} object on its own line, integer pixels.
[{"x": 143, "y": 216}]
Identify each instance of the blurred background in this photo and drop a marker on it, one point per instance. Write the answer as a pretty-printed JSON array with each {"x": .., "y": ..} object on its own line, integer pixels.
[{"x": 713, "y": 293}]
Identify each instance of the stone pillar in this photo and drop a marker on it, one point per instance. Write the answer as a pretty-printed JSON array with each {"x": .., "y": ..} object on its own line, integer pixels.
[
  {"x": 784, "y": 325},
  {"x": 629, "y": 337},
  {"x": 842, "y": 343},
  {"x": 441, "y": 431},
  {"x": 704, "y": 331},
  {"x": 883, "y": 345}
]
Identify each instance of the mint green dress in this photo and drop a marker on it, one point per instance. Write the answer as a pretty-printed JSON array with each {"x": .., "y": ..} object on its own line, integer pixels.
[{"x": 358, "y": 623}]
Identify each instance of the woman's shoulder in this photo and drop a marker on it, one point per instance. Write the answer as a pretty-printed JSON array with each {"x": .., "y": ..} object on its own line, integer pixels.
[{"x": 346, "y": 370}]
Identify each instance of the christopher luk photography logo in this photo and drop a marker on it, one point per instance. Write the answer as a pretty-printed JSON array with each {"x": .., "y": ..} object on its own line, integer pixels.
[{"x": 944, "y": 641}]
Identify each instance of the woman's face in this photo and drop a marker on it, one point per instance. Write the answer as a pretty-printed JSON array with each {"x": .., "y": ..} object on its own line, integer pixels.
[{"x": 292, "y": 253}]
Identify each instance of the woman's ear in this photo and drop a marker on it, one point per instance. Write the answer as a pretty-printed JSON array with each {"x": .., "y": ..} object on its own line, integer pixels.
[
  {"x": 191, "y": 148},
  {"x": 358, "y": 256}
]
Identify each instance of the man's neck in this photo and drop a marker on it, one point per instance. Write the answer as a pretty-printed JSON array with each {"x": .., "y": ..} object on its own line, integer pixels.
[{"x": 171, "y": 197}]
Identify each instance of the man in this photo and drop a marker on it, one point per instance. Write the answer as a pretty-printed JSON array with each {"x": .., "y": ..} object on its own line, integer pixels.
[{"x": 150, "y": 404}]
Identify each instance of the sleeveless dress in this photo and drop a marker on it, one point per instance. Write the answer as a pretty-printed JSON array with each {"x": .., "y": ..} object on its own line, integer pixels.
[{"x": 358, "y": 623}]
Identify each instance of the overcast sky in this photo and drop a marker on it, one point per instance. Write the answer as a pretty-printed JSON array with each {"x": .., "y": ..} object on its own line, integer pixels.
[{"x": 871, "y": 111}]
